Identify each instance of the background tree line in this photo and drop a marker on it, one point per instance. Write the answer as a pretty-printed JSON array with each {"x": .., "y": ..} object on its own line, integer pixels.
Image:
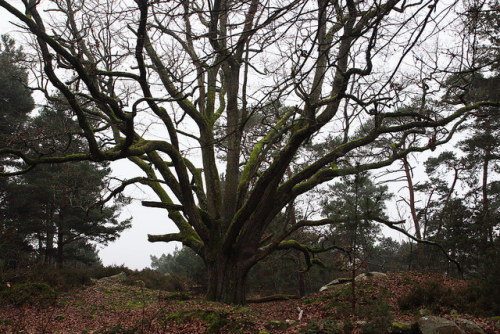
[{"x": 51, "y": 215}]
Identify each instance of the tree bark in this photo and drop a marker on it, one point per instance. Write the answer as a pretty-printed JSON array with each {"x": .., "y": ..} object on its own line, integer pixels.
[
  {"x": 60, "y": 250},
  {"x": 49, "y": 248},
  {"x": 227, "y": 281},
  {"x": 413, "y": 210},
  {"x": 487, "y": 226},
  {"x": 60, "y": 224}
]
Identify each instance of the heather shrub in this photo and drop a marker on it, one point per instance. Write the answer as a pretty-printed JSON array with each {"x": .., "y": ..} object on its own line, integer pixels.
[
  {"x": 153, "y": 279},
  {"x": 28, "y": 293}
]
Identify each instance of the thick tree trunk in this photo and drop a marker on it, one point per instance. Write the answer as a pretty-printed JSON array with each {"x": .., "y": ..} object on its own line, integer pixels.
[{"x": 226, "y": 281}]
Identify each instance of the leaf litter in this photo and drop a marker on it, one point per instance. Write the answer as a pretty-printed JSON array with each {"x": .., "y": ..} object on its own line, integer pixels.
[{"x": 112, "y": 307}]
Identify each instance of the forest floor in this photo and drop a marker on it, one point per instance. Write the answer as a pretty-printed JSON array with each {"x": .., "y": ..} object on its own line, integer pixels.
[{"x": 111, "y": 307}]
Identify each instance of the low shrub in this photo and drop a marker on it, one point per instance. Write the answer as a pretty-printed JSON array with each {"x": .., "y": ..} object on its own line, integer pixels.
[
  {"x": 378, "y": 315},
  {"x": 68, "y": 278},
  {"x": 155, "y": 280},
  {"x": 435, "y": 296},
  {"x": 422, "y": 295},
  {"x": 60, "y": 279},
  {"x": 28, "y": 293},
  {"x": 101, "y": 272},
  {"x": 63, "y": 279},
  {"x": 486, "y": 284}
]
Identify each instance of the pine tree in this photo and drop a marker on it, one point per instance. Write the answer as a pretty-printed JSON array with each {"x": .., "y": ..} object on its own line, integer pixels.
[
  {"x": 54, "y": 206},
  {"x": 15, "y": 105},
  {"x": 348, "y": 202},
  {"x": 15, "y": 96}
]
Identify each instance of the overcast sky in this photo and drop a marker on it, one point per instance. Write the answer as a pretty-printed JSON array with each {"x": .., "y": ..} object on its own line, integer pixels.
[{"x": 132, "y": 248}]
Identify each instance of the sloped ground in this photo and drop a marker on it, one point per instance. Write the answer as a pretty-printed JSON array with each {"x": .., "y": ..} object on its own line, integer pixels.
[{"x": 112, "y": 307}]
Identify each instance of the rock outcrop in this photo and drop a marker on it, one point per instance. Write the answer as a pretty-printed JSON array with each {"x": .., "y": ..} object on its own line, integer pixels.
[
  {"x": 334, "y": 283},
  {"x": 360, "y": 277},
  {"x": 469, "y": 326},
  {"x": 120, "y": 277},
  {"x": 369, "y": 275},
  {"x": 436, "y": 325}
]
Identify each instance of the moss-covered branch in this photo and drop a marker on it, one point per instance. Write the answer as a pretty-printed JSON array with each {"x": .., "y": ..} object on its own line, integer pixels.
[
  {"x": 161, "y": 205},
  {"x": 188, "y": 239},
  {"x": 320, "y": 171},
  {"x": 165, "y": 237},
  {"x": 256, "y": 157}
]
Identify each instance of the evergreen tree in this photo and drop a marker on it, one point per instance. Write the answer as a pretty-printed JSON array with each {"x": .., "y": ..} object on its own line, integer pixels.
[
  {"x": 183, "y": 262},
  {"x": 350, "y": 202},
  {"x": 56, "y": 207},
  {"x": 482, "y": 145},
  {"x": 15, "y": 105},
  {"x": 15, "y": 96},
  {"x": 82, "y": 254},
  {"x": 387, "y": 255}
]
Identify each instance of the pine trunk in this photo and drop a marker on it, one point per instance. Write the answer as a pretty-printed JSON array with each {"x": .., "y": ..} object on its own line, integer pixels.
[
  {"x": 60, "y": 250},
  {"x": 413, "y": 210}
]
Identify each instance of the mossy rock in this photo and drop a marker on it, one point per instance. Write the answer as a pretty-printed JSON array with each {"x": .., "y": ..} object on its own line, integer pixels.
[
  {"x": 423, "y": 313},
  {"x": 368, "y": 275},
  {"x": 120, "y": 277},
  {"x": 403, "y": 328},
  {"x": 469, "y": 326},
  {"x": 434, "y": 325}
]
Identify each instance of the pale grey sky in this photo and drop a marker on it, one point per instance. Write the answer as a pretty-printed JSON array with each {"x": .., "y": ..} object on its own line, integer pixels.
[{"x": 132, "y": 248}]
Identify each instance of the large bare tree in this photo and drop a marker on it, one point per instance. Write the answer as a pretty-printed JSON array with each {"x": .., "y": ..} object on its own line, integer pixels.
[{"x": 177, "y": 87}]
